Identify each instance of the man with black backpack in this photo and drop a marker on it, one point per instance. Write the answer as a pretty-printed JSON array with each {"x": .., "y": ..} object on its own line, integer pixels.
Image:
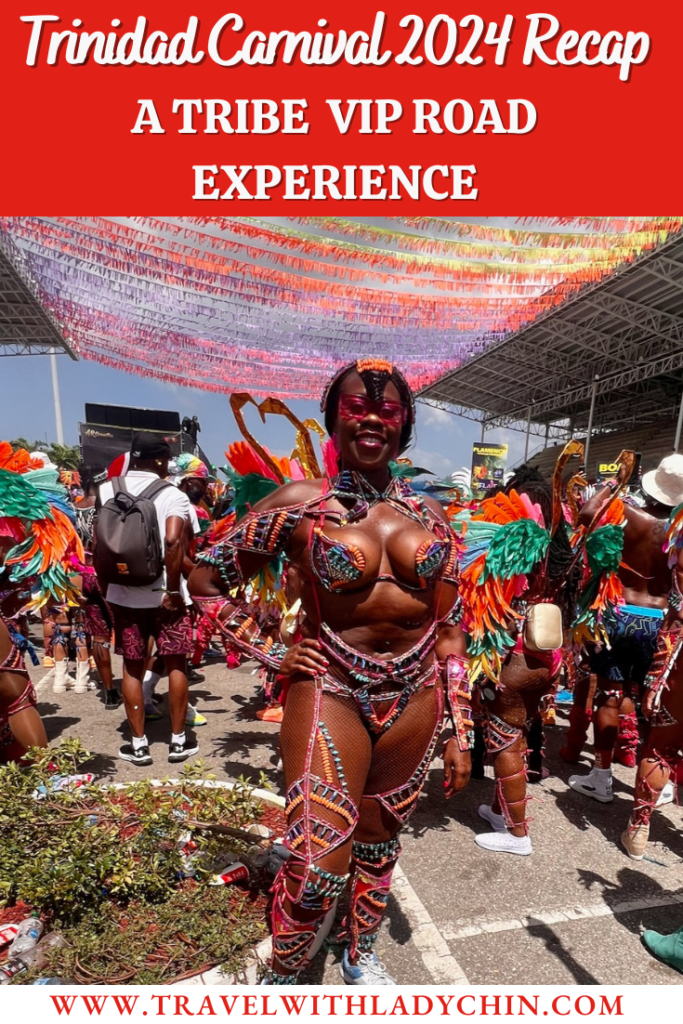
[{"x": 138, "y": 554}]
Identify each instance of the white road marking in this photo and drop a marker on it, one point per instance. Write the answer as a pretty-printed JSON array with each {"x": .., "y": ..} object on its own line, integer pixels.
[
  {"x": 42, "y": 685},
  {"x": 559, "y": 915},
  {"x": 436, "y": 956}
]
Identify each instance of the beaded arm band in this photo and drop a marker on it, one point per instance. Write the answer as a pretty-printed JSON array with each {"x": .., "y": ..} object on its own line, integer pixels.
[
  {"x": 459, "y": 700},
  {"x": 259, "y": 533},
  {"x": 243, "y": 631}
]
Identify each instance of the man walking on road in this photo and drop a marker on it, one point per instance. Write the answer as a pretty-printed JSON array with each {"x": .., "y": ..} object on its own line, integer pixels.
[{"x": 158, "y": 609}]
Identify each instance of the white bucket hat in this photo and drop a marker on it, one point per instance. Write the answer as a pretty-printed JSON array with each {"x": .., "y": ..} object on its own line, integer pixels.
[{"x": 665, "y": 483}]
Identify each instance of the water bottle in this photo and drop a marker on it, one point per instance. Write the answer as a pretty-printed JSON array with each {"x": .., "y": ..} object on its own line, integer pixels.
[
  {"x": 30, "y": 930},
  {"x": 32, "y": 958}
]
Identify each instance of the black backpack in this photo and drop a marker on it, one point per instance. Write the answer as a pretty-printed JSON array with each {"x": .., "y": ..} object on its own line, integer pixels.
[{"x": 128, "y": 548}]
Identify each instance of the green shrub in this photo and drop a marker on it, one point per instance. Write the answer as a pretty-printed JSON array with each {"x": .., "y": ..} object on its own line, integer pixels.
[{"x": 105, "y": 867}]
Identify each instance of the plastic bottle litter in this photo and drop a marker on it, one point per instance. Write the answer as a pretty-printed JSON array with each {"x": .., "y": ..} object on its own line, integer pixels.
[
  {"x": 28, "y": 935},
  {"x": 59, "y": 783},
  {"x": 231, "y": 873},
  {"x": 32, "y": 958},
  {"x": 53, "y": 981}
]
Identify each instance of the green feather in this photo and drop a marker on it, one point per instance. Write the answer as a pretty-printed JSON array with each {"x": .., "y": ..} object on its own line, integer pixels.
[
  {"x": 604, "y": 548},
  {"x": 516, "y": 549},
  {"x": 20, "y": 499},
  {"x": 249, "y": 490}
]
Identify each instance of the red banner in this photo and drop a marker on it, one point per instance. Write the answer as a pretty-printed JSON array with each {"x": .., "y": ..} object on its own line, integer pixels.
[{"x": 430, "y": 108}]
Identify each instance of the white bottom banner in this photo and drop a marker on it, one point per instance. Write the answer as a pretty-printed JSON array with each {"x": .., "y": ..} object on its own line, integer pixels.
[{"x": 633, "y": 1004}]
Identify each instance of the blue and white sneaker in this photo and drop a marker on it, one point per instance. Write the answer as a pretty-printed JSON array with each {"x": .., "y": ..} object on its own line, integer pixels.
[{"x": 368, "y": 971}]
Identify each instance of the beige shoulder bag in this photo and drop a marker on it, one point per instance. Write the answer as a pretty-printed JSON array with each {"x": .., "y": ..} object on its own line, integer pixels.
[{"x": 543, "y": 628}]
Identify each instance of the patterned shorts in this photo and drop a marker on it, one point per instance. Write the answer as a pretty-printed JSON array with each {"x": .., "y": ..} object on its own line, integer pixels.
[
  {"x": 98, "y": 620},
  {"x": 133, "y": 627},
  {"x": 632, "y": 635}
]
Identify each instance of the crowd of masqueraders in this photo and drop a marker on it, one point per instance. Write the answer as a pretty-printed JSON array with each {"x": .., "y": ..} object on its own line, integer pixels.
[{"x": 379, "y": 616}]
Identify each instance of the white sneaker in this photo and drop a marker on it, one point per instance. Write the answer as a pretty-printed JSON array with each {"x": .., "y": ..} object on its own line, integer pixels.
[
  {"x": 597, "y": 784},
  {"x": 505, "y": 842},
  {"x": 496, "y": 821},
  {"x": 368, "y": 971},
  {"x": 666, "y": 796}
]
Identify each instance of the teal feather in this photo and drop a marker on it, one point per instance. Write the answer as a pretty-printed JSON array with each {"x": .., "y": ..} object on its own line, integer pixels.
[
  {"x": 516, "y": 549},
  {"x": 20, "y": 499}
]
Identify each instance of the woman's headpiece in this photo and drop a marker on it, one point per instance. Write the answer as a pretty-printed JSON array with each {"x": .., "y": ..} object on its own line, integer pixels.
[{"x": 375, "y": 374}]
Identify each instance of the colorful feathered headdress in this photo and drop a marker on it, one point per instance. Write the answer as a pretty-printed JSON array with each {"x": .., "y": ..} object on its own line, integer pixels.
[{"x": 36, "y": 515}]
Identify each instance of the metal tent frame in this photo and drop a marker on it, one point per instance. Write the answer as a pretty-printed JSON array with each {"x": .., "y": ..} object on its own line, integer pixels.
[
  {"x": 610, "y": 357},
  {"x": 26, "y": 329}
]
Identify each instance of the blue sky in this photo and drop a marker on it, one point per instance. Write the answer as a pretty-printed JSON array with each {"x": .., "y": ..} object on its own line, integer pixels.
[{"x": 443, "y": 443}]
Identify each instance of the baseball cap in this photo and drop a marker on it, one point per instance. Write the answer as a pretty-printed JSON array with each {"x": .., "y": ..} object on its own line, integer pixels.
[{"x": 149, "y": 446}]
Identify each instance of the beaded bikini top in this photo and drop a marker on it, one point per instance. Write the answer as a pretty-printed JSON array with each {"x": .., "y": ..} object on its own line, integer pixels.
[
  {"x": 339, "y": 566},
  {"x": 334, "y": 564}
]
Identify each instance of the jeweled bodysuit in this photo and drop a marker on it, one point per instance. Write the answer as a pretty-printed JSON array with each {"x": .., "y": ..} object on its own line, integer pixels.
[{"x": 374, "y": 722}]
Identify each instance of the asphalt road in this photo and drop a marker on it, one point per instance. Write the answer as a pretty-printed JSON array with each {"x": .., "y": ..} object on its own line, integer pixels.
[{"x": 571, "y": 913}]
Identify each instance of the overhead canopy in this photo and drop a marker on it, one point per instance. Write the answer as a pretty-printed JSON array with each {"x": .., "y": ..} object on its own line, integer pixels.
[
  {"x": 25, "y": 327},
  {"x": 276, "y": 306},
  {"x": 622, "y": 337}
]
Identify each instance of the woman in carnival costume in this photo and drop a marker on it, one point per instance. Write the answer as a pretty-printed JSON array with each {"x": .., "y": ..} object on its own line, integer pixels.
[
  {"x": 381, "y": 643},
  {"x": 517, "y": 556},
  {"x": 39, "y": 549}
]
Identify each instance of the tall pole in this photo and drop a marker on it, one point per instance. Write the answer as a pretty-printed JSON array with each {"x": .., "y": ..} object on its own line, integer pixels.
[
  {"x": 57, "y": 401},
  {"x": 589, "y": 431},
  {"x": 483, "y": 430},
  {"x": 528, "y": 431},
  {"x": 677, "y": 442}
]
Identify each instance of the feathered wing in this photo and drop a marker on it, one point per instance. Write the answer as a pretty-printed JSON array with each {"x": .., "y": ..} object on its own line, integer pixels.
[
  {"x": 602, "y": 590},
  {"x": 35, "y": 513},
  {"x": 502, "y": 544}
]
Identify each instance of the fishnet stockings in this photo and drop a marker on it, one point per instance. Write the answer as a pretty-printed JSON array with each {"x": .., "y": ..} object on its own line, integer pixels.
[{"x": 345, "y": 787}]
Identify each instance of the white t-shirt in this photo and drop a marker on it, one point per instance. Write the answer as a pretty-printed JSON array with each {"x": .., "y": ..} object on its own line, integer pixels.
[
  {"x": 168, "y": 503},
  {"x": 194, "y": 520}
]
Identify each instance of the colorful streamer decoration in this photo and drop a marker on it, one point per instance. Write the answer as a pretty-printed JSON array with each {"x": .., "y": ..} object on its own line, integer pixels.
[{"x": 275, "y": 306}]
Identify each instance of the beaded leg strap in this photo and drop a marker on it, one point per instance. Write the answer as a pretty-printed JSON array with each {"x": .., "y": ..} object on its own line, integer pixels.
[
  {"x": 499, "y": 735},
  {"x": 643, "y": 805},
  {"x": 668, "y": 646},
  {"x": 459, "y": 700},
  {"x": 321, "y": 817},
  {"x": 628, "y": 736},
  {"x": 373, "y": 866},
  {"x": 320, "y": 812},
  {"x": 506, "y": 804},
  {"x": 293, "y": 940}
]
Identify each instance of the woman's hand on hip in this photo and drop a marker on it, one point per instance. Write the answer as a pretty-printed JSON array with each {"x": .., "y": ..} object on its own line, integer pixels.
[{"x": 305, "y": 658}]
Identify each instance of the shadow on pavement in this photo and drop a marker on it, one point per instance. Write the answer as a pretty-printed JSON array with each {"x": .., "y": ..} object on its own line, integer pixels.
[{"x": 554, "y": 945}]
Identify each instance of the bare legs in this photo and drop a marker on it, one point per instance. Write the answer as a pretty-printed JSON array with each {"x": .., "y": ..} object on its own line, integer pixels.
[{"x": 133, "y": 672}]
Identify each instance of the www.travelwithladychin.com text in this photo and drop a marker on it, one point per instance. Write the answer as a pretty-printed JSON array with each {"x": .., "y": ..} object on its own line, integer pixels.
[{"x": 287, "y": 1005}]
